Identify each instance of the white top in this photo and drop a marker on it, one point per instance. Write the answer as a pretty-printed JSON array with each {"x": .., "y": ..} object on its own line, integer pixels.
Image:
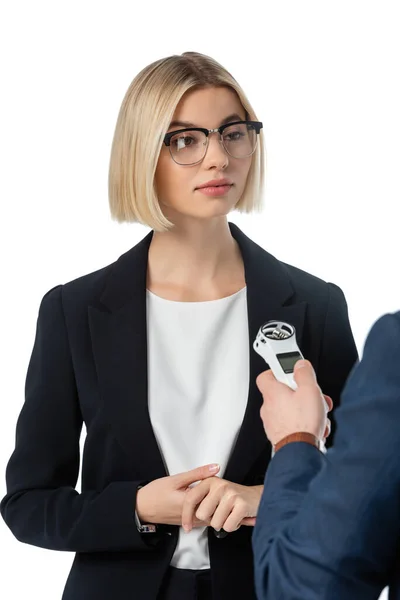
[{"x": 198, "y": 377}]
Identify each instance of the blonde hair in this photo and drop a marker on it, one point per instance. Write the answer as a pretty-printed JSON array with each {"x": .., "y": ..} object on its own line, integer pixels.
[{"x": 146, "y": 112}]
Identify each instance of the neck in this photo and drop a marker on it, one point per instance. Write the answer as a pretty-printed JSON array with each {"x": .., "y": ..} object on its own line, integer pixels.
[{"x": 201, "y": 259}]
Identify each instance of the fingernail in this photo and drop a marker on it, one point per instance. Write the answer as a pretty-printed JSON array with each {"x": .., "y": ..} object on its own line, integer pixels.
[
  {"x": 300, "y": 364},
  {"x": 213, "y": 468}
]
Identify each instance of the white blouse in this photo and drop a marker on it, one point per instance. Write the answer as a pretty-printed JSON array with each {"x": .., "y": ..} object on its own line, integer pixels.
[{"x": 198, "y": 376}]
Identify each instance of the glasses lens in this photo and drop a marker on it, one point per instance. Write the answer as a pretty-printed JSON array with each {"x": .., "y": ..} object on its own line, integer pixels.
[
  {"x": 240, "y": 140},
  {"x": 188, "y": 147}
]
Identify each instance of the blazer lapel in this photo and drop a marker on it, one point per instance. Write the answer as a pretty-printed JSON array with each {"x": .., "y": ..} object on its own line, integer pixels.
[
  {"x": 268, "y": 294},
  {"x": 119, "y": 341}
]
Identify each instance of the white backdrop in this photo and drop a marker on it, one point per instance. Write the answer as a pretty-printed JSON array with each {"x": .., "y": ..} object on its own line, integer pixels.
[{"x": 322, "y": 76}]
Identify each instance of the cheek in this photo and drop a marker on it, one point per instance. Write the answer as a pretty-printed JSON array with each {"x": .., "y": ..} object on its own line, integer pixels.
[
  {"x": 243, "y": 169},
  {"x": 172, "y": 181},
  {"x": 246, "y": 168},
  {"x": 161, "y": 172},
  {"x": 164, "y": 177}
]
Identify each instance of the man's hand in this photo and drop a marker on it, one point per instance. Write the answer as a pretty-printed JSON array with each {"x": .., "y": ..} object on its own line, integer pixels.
[
  {"x": 222, "y": 504},
  {"x": 285, "y": 411}
]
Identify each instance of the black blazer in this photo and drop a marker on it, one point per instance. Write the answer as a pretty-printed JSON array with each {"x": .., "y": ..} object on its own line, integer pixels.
[{"x": 89, "y": 365}]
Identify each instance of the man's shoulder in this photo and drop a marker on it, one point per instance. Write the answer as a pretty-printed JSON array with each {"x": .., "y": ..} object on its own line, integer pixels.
[{"x": 384, "y": 338}]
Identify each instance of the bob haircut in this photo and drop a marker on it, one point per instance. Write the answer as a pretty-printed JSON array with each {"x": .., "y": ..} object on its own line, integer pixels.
[{"x": 144, "y": 117}]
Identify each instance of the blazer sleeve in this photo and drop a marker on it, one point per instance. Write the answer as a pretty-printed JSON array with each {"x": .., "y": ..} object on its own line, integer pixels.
[
  {"x": 338, "y": 353},
  {"x": 42, "y": 506},
  {"x": 328, "y": 526}
]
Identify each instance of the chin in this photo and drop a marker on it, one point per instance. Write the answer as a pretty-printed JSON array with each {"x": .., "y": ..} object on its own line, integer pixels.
[
  {"x": 217, "y": 209},
  {"x": 211, "y": 208}
]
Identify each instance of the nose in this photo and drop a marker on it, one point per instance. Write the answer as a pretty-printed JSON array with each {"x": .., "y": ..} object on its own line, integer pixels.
[{"x": 215, "y": 155}]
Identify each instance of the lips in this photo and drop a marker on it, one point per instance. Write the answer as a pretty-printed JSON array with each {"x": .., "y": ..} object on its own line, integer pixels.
[
  {"x": 214, "y": 183},
  {"x": 215, "y": 191}
]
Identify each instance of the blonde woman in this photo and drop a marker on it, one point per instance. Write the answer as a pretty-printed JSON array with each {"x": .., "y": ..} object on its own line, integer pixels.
[{"x": 153, "y": 354}]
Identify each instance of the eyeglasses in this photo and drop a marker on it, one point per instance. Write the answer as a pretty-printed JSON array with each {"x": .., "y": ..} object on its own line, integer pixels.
[{"x": 189, "y": 146}]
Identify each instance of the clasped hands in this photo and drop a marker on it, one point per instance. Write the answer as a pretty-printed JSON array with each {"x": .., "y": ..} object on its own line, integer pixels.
[
  {"x": 221, "y": 504},
  {"x": 213, "y": 501}
]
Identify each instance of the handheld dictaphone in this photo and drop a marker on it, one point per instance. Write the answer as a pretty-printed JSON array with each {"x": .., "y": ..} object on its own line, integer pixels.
[{"x": 276, "y": 343}]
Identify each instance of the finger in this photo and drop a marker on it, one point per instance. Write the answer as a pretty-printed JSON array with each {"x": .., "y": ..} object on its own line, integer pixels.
[
  {"x": 222, "y": 512},
  {"x": 183, "y": 480},
  {"x": 249, "y": 521},
  {"x": 304, "y": 373},
  {"x": 264, "y": 379},
  {"x": 329, "y": 402},
  {"x": 197, "y": 523},
  {"x": 206, "y": 509},
  {"x": 239, "y": 512},
  {"x": 192, "y": 499},
  {"x": 327, "y": 429}
]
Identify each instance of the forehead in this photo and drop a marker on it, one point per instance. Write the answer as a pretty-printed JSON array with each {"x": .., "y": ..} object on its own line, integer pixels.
[{"x": 208, "y": 107}]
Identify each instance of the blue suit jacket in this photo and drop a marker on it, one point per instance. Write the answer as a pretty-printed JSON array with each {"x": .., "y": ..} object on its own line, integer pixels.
[{"x": 328, "y": 527}]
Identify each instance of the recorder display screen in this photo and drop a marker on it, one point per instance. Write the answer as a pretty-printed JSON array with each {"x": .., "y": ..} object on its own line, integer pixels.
[{"x": 287, "y": 360}]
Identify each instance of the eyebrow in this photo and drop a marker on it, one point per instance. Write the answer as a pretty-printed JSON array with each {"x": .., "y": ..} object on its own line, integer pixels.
[{"x": 184, "y": 124}]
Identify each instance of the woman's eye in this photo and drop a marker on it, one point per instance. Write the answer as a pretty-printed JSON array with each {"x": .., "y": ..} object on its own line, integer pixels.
[
  {"x": 183, "y": 141},
  {"x": 234, "y": 136}
]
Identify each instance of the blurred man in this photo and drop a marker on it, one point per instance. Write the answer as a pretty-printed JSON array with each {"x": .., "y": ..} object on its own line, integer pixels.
[{"x": 328, "y": 526}]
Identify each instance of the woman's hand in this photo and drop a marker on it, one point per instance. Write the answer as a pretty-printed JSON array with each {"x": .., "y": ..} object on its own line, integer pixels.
[
  {"x": 161, "y": 500},
  {"x": 221, "y": 504}
]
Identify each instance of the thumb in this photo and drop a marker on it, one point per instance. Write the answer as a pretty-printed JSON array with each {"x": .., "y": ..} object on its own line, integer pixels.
[
  {"x": 198, "y": 474},
  {"x": 304, "y": 373}
]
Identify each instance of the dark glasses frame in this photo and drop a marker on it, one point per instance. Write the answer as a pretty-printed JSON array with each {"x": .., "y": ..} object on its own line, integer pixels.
[{"x": 257, "y": 125}]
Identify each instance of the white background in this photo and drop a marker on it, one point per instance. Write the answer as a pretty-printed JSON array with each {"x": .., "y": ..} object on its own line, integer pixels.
[{"x": 322, "y": 76}]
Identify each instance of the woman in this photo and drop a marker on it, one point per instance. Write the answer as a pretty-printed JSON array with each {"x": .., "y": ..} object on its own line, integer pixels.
[{"x": 154, "y": 354}]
